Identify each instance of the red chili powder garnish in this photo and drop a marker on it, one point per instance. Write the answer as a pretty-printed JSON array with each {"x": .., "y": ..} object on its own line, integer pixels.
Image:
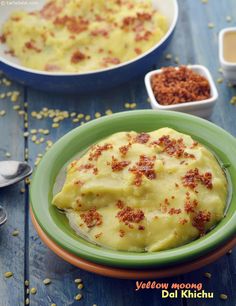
[
  {"x": 189, "y": 206},
  {"x": 130, "y": 215},
  {"x": 100, "y": 32},
  {"x": 77, "y": 56},
  {"x": 173, "y": 147},
  {"x": 193, "y": 177},
  {"x": 98, "y": 235},
  {"x": 124, "y": 149},
  {"x": 73, "y": 24},
  {"x": 145, "y": 166},
  {"x": 97, "y": 151},
  {"x": 2, "y": 38},
  {"x": 174, "y": 211},
  {"x": 91, "y": 218},
  {"x": 174, "y": 86},
  {"x": 50, "y": 10},
  {"x": 183, "y": 221},
  {"x": 30, "y": 45},
  {"x": 118, "y": 165},
  {"x": 142, "y": 138},
  {"x": 122, "y": 233},
  {"x": 200, "y": 219},
  {"x": 120, "y": 204},
  {"x": 141, "y": 228}
]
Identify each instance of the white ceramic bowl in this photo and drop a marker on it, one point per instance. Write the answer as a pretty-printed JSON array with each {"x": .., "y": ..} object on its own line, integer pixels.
[
  {"x": 229, "y": 68},
  {"x": 202, "y": 108}
]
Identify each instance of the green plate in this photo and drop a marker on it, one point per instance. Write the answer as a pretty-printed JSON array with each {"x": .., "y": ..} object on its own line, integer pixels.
[{"x": 56, "y": 226}]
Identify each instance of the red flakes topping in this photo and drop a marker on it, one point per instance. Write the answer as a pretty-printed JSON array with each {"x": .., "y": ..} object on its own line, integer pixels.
[
  {"x": 120, "y": 204},
  {"x": 50, "y": 10},
  {"x": 73, "y": 24},
  {"x": 137, "y": 50},
  {"x": 193, "y": 177},
  {"x": 91, "y": 218},
  {"x": 174, "y": 211},
  {"x": 85, "y": 167},
  {"x": 97, "y": 151},
  {"x": 144, "y": 167},
  {"x": 127, "y": 21},
  {"x": 141, "y": 228},
  {"x": 2, "y": 38},
  {"x": 200, "y": 219},
  {"x": 111, "y": 60},
  {"x": 190, "y": 205},
  {"x": 98, "y": 235},
  {"x": 100, "y": 32},
  {"x": 16, "y": 18},
  {"x": 31, "y": 45},
  {"x": 144, "y": 36},
  {"x": 122, "y": 233},
  {"x": 183, "y": 221},
  {"x": 95, "y": 171},
  {"x": 176, "y": 185},
  {"x": 118, "y": 165},
  {"x": 144, "y": 16},
  {"x": 130, "y": 215},
  {"x": 142, "y": 138},
  {"x": 79, "y": 183},
  {"x": 124, "y": 149},
  {"x": 195, "y": 144},
  {"x": 77, "y": 56},
  {"x": 173, "y": 147}
]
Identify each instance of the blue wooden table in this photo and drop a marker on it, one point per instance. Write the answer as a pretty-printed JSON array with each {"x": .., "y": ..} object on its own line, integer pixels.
[{"x": 22, "y": 252}]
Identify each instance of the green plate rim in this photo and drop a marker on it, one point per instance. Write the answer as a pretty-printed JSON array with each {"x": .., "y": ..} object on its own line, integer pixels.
[{"x": 44, "y": 177}]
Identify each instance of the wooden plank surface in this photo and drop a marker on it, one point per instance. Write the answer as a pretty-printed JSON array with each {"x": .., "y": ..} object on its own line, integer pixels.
[{"x": 193, "y": 42}]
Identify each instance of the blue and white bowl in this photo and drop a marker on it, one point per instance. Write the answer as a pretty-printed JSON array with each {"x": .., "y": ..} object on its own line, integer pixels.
[{"x": 87, "y": 81}]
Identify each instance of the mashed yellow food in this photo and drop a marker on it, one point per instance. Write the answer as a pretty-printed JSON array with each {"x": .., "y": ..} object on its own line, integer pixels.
[
  {"x": 144, "y": 192},
  {"x": 83, "y": 35}
]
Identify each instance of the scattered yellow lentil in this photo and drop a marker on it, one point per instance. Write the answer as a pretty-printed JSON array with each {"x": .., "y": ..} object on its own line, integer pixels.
[
  {"x": 27, "y": 181},
  {"x": 80, "y": 286},
  {"x": 8, "y": 274},
  {"x": 2, "y": 113},
  {"x": 78, "y": 297},
  {"x": 204, "y": 1},
  {"x": 27, "y": 301},
  {"x": 211, "y": 25},
  {"x": 53, "y": 304},
  {"x": 33, "y": 290},
  {"x": 78, "y": 280},
  {"x": 133, "y": 105},
  {"x": 75, "y": 120},
  {"x": 6, "y": 82},
  {"x": 26, "y": 283},
  {"x": 55, "y": 125},
  {"x": 87, "y": 117},
  {"x": 168, "y": 56},
  {"x": 233, "y": 100},
  {"x": 27, "y": 291},
  {"x": 97, "y": 115},
  {"x": 34, "y": 138},
  {"x": 26, "y": 134},
  {"x": 176, "y": 60},
  {"x": 220, "y": 80},
  {"x": 15, "y": 233},
  {"x": 16, "y": 107},
  {"x": 127, "y": 105},
  {"x": 2, "y": 95},
  {"x": 22, "y": 190},
  {"x": 207, "y": 275},
  {"x": 80, "y": 116},
  {"x": 15, "y": 96},
  {"x": 223, "y": 296},
  {"x": 47, "y": 281},
  {"x": 73, "y": 114}
]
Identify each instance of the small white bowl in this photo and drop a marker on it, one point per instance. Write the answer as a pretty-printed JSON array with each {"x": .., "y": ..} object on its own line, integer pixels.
[
  {"x": 201, "y": 108},
  {"x": 229, "y": 68}
]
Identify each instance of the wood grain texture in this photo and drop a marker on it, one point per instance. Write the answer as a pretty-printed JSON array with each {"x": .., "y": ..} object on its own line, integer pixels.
[{"x": 26, "y": 256}]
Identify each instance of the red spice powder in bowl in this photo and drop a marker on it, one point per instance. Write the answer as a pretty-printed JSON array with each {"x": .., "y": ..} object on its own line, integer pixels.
[{"x": 188, "y": 89}]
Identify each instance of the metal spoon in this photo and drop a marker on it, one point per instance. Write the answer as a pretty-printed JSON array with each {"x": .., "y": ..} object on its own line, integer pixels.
[
  {"x": 3, "y": 215},
  {"x": 12, "y": 172}
]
